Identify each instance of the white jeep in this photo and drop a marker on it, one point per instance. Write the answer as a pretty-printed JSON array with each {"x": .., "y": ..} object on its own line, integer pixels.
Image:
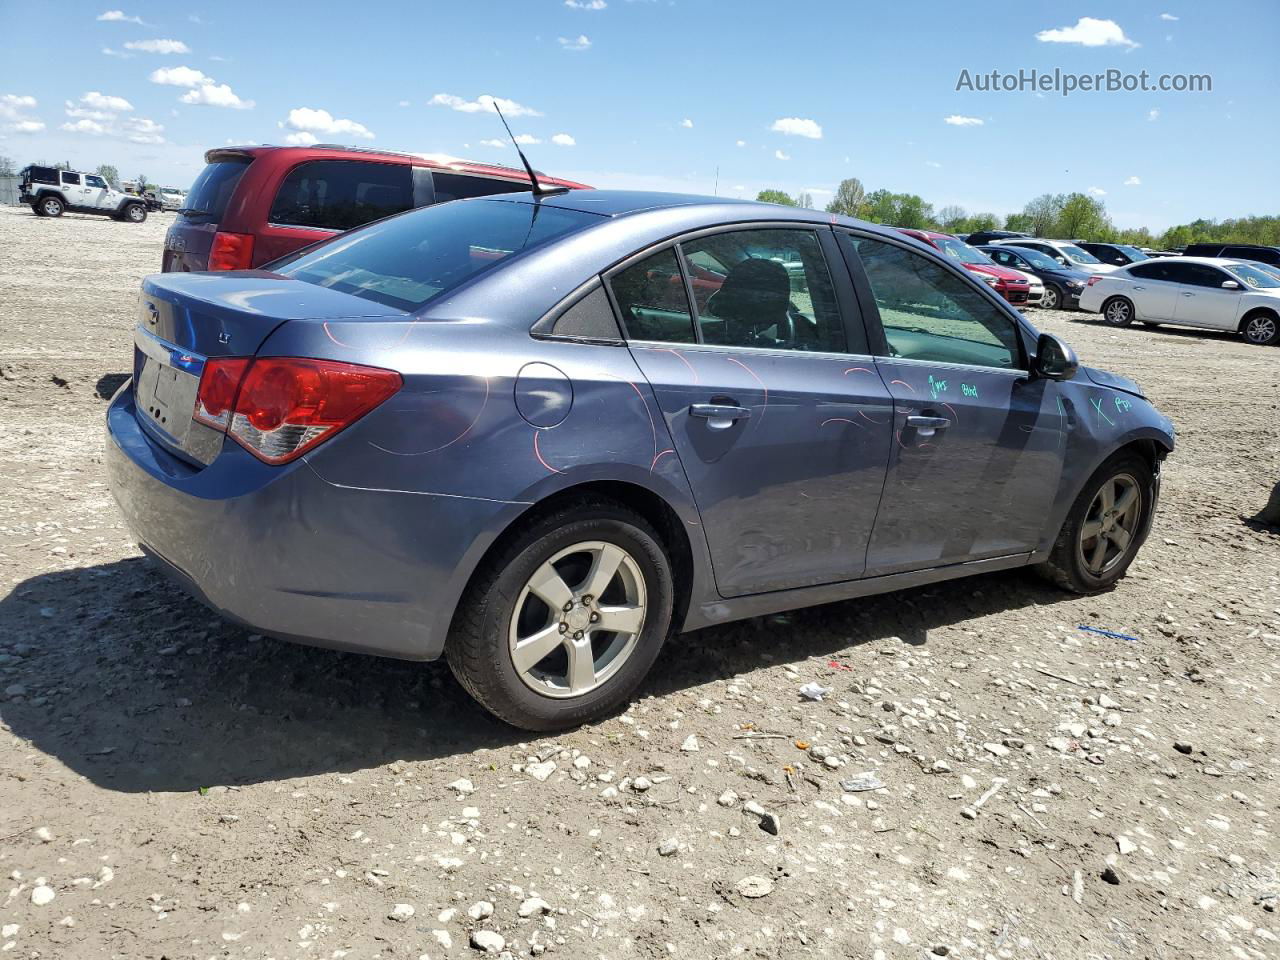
[{"x": 50, "y": 192}]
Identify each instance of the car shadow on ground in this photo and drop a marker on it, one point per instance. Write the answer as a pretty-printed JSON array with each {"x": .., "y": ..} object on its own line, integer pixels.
[
  {"x": 128, "y": 682},
  {"x": 1164, "y": 329}
]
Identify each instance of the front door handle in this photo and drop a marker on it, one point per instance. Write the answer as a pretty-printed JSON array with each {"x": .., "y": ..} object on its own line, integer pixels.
[
  {"x": 719, "y": 416},
  {"x": 1139, "y": 288},
  {"x": 1188, "y": 294},
  {"x": 928, "y": 426}
]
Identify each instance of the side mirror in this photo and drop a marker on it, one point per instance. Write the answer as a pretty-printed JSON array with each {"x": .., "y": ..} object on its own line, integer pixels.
[
  {"x": 1054, "y": 359},
  {"x": 1230, "y": 285}
]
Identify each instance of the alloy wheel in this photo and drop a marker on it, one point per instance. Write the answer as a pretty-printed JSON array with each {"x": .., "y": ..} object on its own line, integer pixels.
[
  {"x": 578, "y": 619},
  {"x": 135, "y": 213},
  {"x": 1118, "y": 312},
  {"x": 1110, "y": 524},
  {"x": 51, "y": 208},
  {"x": 1050, "y": 299},
  {"x": 1261, "y": 329}
]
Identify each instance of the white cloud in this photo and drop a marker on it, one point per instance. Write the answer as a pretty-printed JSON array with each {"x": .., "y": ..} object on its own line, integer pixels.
[
  {"x": 1097, "y": 191},
  {"x": 303, "y": 138},
  {"x": 797, "y": 127},
  {"x": 740, "y": 143},
  {"x": 564, "y": 140},
  {"x": 180, "y": 77},
  {"x": 586, "y": 4},
  {"x": 158, "y": 46},
  {"x": 687, "y": 123},
  {"x": 933, "y": 163},
  {"x": 117, "y": 53},
  {"x": 73, "y": 111},
  {"x": 956, "y": 120},
  {"x": 142, "y": 130},
  {"x": 781, "y": 156},
  {"x": 483, "y": 102},
  {"x": 25, "y": 126},
  {"x": 86, "y": 125},
  {"x": 312, "y": 120},
  {"x": 1168, "y": 16},
  {"x": 495, "y": 143},
  {"x": 216, "y": 95},
  {"x": 1088, "y": 32},
  {"x": 526, "y": 139},
  {"x": 1153, "y": 114},
  {"x": 580, "y": 42},
  {"x": 13, "y": 108},
  {"x": 118, "y": 16},
  {"x": 1133, "y": 182},
  {"x": 101, "y": 101}
]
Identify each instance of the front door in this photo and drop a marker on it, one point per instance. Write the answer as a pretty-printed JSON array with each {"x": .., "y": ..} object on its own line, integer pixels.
[
  {"x": 977, "y": 443},
  {"x": 94, "y": 192},
  {"x": 1202, "y": 300},
  {"x": 778, "y": 415}
]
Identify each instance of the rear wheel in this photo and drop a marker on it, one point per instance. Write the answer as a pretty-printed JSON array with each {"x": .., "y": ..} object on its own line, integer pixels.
[
  {"x": 135, "y": 213},
  {"x": 1052, "y": 299},
  {"x": 562, "y": 624},
  {"x": 1118, "y": 311},
  {"x": 1105, "y": 527},
  {"x": 1261, "y": 328},
  {"x": 51, "y": 207}
]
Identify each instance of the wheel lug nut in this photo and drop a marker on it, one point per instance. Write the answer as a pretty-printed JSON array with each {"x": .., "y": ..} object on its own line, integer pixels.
[
  {"x": 568, "y": 606},
  {"x": 564, "y": 628},
  {"x": 595, "y": 618},
  {"x": 587, "y": 599},
  {"x": 578, "y": 635}
]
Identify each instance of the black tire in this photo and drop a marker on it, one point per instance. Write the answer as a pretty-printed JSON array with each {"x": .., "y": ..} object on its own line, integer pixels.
[
  {"x": 1118, "y": 312},
  {"x": 1261, "y": 328},
  {"x": 1066, "y": 564},
  {"x": 478, "y": 648},
  {"x": 51, "y": 206},
  {"x": 1054, "y": 297},
  {"x": 134, "y": 213},
  {"x": 35, "y": 209}
]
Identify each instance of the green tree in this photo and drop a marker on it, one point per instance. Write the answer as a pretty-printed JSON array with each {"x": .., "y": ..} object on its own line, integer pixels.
[
  {"x": 1082, "y": 217},
  {"x": 1043, "y": 212},
  {"x": 850, "y": 198},
  {"x": 142, "y": 182},
  {"x": 953, "y": 219},
  {"x": 982, "y": 221},
  {"x": 1018, "y": 222},
  {"x": 775, "y": 196},
  {"x": 6, "y": 166},
  {"x": 110, "y": 174},
  {"x": 913, "y": 212},
  {"x": 805, "y": 200},
  {"x": 881, "y": 207}
]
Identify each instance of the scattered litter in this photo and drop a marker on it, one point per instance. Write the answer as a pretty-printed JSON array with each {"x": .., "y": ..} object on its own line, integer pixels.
[
  {"x": 862, "y": 783},
  {"x": 802, "y": 744},
  {"x": 814, "y": 691},
  {"x": 1109, "y": 633},
  {"x": 837, "y": 665},
  {"x": 755, "y": 887}
]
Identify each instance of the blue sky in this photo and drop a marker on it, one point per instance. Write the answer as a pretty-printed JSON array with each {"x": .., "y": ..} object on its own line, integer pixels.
[{"x": 659, "y": 94}]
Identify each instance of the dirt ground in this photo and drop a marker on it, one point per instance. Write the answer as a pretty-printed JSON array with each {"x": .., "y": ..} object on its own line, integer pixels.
[{"x": 171, "y": 786}]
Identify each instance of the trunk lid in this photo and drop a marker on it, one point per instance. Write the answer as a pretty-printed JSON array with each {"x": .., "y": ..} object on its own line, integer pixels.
[{"x": 187, "y": 242}]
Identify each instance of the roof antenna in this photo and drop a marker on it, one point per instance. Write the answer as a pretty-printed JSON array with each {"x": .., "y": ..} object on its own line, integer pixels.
[{"x": 538, "y": 189}]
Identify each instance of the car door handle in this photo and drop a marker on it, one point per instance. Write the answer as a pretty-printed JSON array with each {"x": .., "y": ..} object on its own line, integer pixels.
[
  {"x": 1188, "y": 294},
  {"x": 928, "y": 426},
  {"x": 1139, "y": 288},
  {"x": 719, "y": 416}
]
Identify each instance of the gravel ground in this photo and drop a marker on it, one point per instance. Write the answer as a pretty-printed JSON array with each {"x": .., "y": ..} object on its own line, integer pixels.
[{"x": 171, "y": 786}]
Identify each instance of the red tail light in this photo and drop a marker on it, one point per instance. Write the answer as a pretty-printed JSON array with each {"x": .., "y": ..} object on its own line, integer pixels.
[
  {"x": 1094, "y": 279},
  {"x": 278, "y": 408},
  {"x": 231, "y": 251}
]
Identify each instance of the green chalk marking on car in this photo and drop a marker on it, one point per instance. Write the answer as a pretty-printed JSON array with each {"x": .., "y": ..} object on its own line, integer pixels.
[{"x": 968, "y": 390}]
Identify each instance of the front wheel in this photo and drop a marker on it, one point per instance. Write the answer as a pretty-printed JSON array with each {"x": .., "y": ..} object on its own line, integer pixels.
[
  {"x": 560, "y": 626},
  {"x": 51, "y": 207},
  {"x": 1052, "y": 299},
  {"x": 1261, "y": 329},
  {"x": 1105, "y": 527},
  {"x": 1118, "y": 311}
]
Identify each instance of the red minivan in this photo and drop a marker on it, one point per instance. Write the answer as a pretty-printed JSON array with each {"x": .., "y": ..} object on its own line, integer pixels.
[
  {"x": 1010, "y": 284},
  {"x": 252, "y": 205}
]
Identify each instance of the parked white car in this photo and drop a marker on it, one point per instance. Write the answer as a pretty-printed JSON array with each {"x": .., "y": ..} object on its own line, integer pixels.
[
  {"x": 172, "y": 199},
  {"x": 1209, "y": 292},
  {"x": 1063, "y": 251},
  {"x": 1036, "y": 294}
]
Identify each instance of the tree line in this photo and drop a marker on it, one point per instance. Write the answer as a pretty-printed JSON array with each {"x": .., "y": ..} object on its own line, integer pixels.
[{"x": 1066, "y": 216}]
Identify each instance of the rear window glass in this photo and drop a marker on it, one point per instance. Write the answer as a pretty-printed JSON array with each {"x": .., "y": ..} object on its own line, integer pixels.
[
  {"x": 407, "y": 261},
  {"x": 341, "y": 194},
  {"x": 213, "y": 188}
]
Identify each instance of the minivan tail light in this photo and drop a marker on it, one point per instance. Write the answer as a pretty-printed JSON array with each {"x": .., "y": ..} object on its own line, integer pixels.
[
  {"x": 231, "y": 251},
  {"x": 281, "y": 407}
]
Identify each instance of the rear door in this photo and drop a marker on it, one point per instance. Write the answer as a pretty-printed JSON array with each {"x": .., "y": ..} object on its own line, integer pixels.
[
  {"x": 74, "y": 190},
  {"x": 977, "y": 443},
  {"x": 777, "y": 413},
  {"x": 1155, "y": 289},
  {"x": 1202, "y": 301}
]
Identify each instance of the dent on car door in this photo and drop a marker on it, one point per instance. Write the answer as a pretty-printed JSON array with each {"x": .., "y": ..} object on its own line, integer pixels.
[
  {"x": 777, "y": 413},
  {"x": 978, "y": 443}
]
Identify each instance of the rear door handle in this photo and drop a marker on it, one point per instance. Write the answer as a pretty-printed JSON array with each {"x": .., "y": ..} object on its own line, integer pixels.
[
  {"x": 719, "y": 416},
  {"x": 1188, "y": 294},
  {"x": 928, "y": 426},
  {"x": 1139, "y": 288}
]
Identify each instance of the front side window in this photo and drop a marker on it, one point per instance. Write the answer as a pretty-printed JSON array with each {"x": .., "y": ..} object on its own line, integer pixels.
[
  {"x": 930, "y": 314},
  {"x": 459, "y": 186},
  {"x": 651, "y": 297},
  {"x": 408, "y": 261},
  {"x": 92, "y": 181},
  {"x": 765, "y": 288},
  {"x": 72, "y": 179},
  {"x": 341, "y": 194},
  {"x": 1198, "y": 274}
]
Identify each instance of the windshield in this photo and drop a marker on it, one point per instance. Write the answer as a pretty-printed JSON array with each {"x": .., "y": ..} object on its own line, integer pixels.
[
  {"x": 1076, "y": 254},
  {"x": 407, "y": 260},
  {"x": 1038, "y": 260},
  {"x": 213, "y": 188},
  {"x": 961, "y": 250},
  {"x": 1253, "y": 276},
  {"x": 1266, "y": 268},
  {"x": 1133, "y": 253}
]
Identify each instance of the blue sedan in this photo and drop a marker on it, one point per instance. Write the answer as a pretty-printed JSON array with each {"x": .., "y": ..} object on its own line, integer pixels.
[{"x": 538, "y": 434}]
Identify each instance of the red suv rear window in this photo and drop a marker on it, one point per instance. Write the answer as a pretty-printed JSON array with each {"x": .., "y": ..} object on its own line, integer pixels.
[{"x": 213, "y": 188}]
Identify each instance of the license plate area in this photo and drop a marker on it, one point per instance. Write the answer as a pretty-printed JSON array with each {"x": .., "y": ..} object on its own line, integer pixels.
[{"x": 165, "y": 391}]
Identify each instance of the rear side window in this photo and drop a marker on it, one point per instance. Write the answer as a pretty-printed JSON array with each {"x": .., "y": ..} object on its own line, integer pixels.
[
  {"x": 71, "y": 178},
  {"x": 1150, "y": 271},
  {"x": 213, "y": 188},
  {"x": 408, "y": 261},
  {"x": 458, "y": 186},
  {"x": 651, "y": 297},
  {"x": 341, "y": 194}
]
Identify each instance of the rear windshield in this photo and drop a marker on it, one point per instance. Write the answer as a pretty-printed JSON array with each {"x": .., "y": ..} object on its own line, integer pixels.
[
  {"x": 408, "y": 260},
  {"x": 213, "y": 188}
]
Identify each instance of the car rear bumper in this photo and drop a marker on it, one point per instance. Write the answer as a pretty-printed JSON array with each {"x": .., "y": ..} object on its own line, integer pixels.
[{"x": 284, "y": 552}]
